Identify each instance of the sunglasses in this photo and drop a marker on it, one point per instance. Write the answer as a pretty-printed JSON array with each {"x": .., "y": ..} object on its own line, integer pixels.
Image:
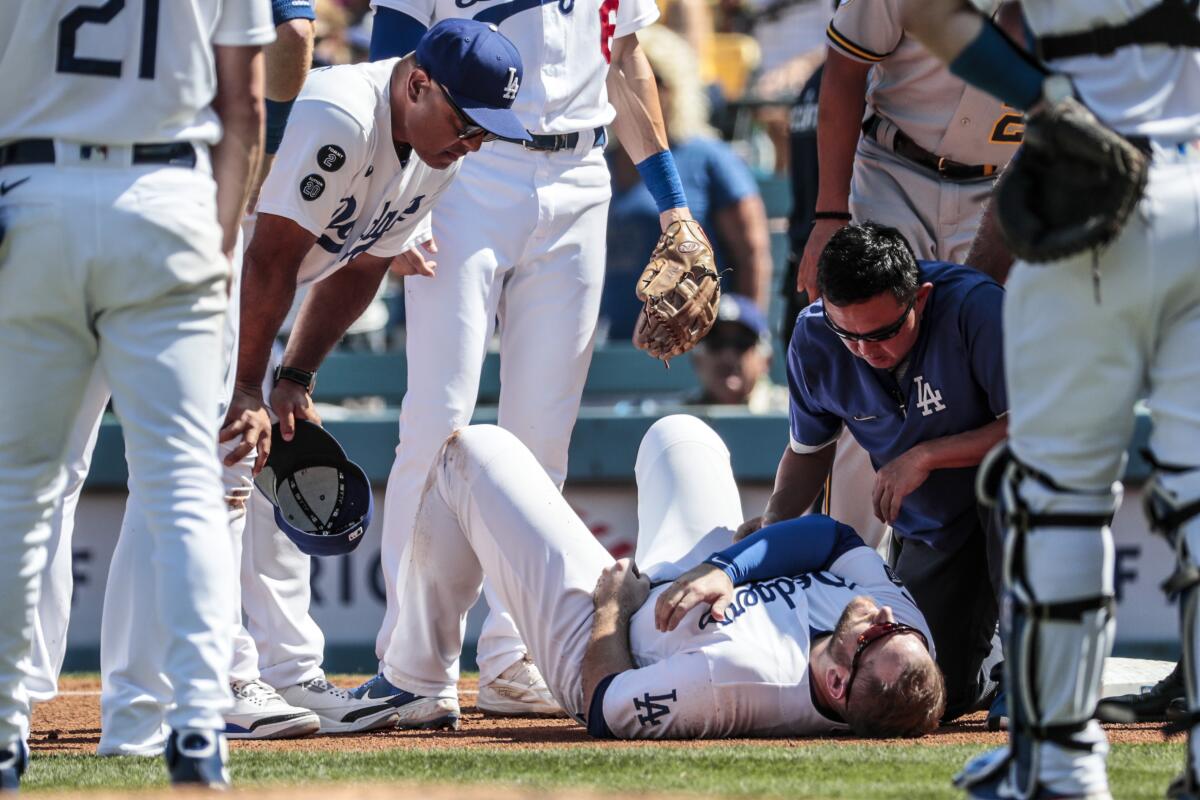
[
  {"x": 469, "y": 130},
  {"x": 877, "y": 335},
  {"x": 877, "y": 632}
]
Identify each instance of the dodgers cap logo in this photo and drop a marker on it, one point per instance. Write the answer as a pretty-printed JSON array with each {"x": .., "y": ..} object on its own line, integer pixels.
[{"x": 480, "y": 68}]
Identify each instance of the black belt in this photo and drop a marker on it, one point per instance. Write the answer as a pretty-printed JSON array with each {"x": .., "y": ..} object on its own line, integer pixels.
[
  {"x": 1171, "y": 22},
  {"x": 906, "y": 148},
  {"x": 41, "y": 151},
  {"x": 553, "y": 142}
]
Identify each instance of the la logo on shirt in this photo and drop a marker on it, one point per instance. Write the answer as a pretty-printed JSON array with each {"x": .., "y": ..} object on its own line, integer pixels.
[{"x": 929, "y": 399}]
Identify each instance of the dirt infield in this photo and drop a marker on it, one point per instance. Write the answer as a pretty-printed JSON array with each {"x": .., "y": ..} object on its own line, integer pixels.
[{"x": 71, "y": 724}]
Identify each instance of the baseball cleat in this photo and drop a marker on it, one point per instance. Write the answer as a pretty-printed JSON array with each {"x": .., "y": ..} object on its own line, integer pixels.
[
  {"x": 988, "y": 776},
  {"x": 13, "y": 761},
  {"x": 1149, "y": 705},
  {"x": 260, "y": 713},
  {"x": 410, "y": 710},
  {"x": 198, "y": 758},
  {"x": 519, "y": 691},
  {"x": 338, "y": 709}
]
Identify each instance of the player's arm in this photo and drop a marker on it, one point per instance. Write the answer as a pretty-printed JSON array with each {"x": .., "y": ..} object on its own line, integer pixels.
[
  {"x": 975, "y": 49},
  {"x": 288, "y": 60},
  {"x": 989, "y": 254},
  {"x": 640, "y": 129},
  {"x": 394, "y": 33},
  {"x": 906, "y": 473},
  {"x": 839, "y": 118},
  {"x": 620, "y": 591},
  {"x": 269, "y": 269},
  {"x": 239, "y": 104},
  {"x": 331, "y": 307},
  {"x": 806, "y": 544}
]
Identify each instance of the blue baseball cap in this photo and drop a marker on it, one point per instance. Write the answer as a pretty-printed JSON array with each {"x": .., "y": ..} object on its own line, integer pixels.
[
  {"x": 480, "y": 69},
  {"x": 744, "y": 311},
  {"x": 322, "y": 499}
]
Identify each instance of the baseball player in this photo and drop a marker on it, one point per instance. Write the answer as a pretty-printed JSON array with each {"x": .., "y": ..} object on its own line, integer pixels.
[
  {"x": 257, "y": 710},
  {"x": 819, "y": 637},
  {"x": 368, "y": 152},
  {"x": 112, "y": 113},
  {"x": 1087, "y": 335},
  {"x": 521, "y": 234},
  {"x": 922, "y": 159}
]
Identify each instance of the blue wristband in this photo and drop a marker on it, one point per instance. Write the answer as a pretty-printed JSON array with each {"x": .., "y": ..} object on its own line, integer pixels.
[
  {"x": 277, "y": 117},
  {"x": 662, "y": 179}
]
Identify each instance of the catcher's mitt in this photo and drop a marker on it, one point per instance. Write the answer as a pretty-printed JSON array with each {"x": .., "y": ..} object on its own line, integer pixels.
[
  {"x": 680, "y": 288},
  {"x": 1071, "y": 186}
]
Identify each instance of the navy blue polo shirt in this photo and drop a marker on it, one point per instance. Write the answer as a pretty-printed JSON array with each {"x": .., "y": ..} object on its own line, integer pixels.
[{"x": 954, "y": 383}]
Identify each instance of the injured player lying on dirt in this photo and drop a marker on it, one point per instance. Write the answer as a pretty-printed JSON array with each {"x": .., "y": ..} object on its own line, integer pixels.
[{"x": 799, "y": 629}]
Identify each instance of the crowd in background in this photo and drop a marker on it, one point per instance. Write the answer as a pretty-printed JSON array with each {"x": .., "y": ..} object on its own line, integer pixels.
[{"x": 729, "y": 73}]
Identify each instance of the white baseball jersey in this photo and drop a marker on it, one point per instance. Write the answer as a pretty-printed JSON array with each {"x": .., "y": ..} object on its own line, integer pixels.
[
  {"x": 748, "y": 674},
  {"x": 338, "y": 175},
  {"x": 565, "y": 52},
  {"x": 1163, "y": 100},
  {"x": 913, "y": 88},
  {"x": 119, "y": 72}
]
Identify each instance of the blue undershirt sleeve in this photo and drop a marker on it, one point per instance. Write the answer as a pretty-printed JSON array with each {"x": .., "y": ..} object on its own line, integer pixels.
[
  {"x": 394, "y": 33},
  {"x": 804, "y": 544},
  {"x": 996, "y": 65}
]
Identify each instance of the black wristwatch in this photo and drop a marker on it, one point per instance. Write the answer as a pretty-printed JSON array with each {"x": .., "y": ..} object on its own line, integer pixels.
[{"x": 296, "y": 375}]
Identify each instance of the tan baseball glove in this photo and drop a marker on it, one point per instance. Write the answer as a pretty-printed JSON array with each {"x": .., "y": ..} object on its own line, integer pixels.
[{"x": 680, "y": 288}]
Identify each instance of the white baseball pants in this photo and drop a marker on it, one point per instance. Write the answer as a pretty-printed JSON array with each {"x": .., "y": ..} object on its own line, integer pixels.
[
  {"x": 521, "y": 238},
  {"x": 489, "y": 509},
  {"x": 117, "y": 266}
]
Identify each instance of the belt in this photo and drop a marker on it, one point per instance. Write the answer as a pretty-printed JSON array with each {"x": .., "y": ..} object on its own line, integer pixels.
[
  {"x": 907, "y": 149},
  {"x": 553, "y": 142},
  {"x": 41, "y": 151}
]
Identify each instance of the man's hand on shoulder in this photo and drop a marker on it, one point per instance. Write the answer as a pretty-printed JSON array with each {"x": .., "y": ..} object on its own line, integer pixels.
[
  {"x": 620, "y": 590},
  {"x": 753, "y": 525},
  {"x": 247, "y": 418},
  {"x": 701, "y": 584}
]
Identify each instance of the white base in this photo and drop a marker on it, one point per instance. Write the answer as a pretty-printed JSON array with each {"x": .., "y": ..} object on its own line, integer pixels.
[{"x": 1131, "y": 675}]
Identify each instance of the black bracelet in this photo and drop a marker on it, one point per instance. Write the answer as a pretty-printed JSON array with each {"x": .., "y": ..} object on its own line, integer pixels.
[
  {"x": 842, "y": 215},
  {"x": 296, "y": 375}
]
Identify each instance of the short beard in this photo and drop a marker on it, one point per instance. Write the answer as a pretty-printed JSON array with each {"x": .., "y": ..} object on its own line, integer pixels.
[{"x": 839, "y": 642}]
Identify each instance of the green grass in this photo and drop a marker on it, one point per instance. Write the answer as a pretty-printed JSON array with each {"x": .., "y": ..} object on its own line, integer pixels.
[{"x": 807, "y": 771}]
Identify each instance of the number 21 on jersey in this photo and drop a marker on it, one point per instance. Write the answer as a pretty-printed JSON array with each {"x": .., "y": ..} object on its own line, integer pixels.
[{"x": 68, "y": 33}]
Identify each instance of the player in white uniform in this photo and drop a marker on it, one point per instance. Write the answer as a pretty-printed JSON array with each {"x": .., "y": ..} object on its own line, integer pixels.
[
  {"x": 257, "y": 711},
  {"x": 108, "y": 185},
  {"x": 521, "y": 237},
  {"x": 1086, "y": 337},
  {"x": 369, "y": 150},
  {"x": 923, "y": 162},
  {"x": 778, "y": 658}
]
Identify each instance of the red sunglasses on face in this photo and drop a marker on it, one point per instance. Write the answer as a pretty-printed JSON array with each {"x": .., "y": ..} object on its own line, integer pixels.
[{"x": 875, "y": 633}]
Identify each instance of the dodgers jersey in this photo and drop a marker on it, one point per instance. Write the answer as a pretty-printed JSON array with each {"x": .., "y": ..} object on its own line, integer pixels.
[
  {"x": 954, "y": 382},
  {"x": 119, "y": 72},
  {"x": 911, "y": 87},
  {"x": 565, "y": 46},
  {"x": 338, "y": 176},
  {"x": 1148, "y": 90},
  {"x": 748, "y": 673}
]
